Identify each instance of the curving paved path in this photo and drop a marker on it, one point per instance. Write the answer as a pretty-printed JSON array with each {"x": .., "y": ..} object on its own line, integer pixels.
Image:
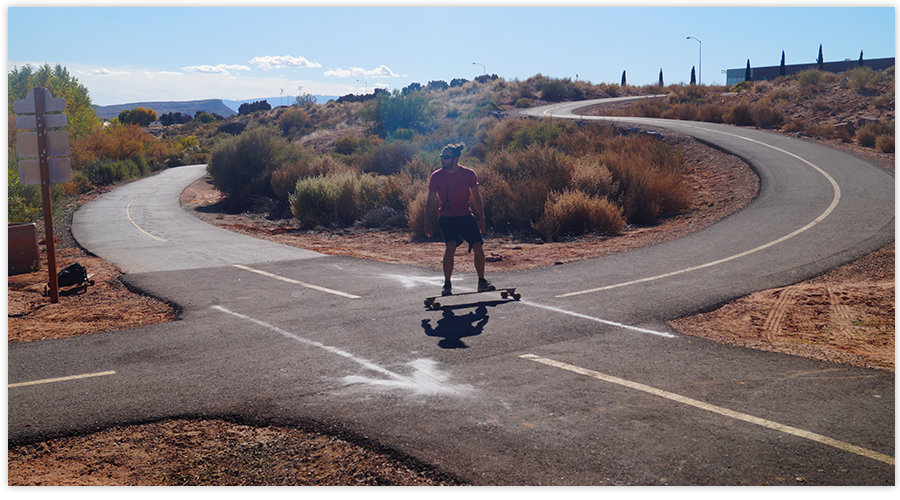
[{"x": 581, "y": 382}]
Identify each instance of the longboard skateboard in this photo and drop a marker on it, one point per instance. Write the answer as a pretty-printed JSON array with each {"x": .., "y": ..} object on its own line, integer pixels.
[{"x": 432, "y": 302}]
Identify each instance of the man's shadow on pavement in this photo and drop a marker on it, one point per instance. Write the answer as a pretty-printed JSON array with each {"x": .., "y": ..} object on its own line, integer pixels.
[{"x": 452, "y": 328}]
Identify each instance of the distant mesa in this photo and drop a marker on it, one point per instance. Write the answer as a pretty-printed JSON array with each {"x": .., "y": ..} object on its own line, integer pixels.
[{"x": 213, "y": 106}]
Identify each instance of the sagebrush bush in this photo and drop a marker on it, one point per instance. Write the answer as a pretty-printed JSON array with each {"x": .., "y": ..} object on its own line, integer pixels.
[
  {"x": 651, "y": 177},
  {"x": 863, "y": 79},
  {"x": 576, "y": 213},
  {"x": 766, "y": 115},
  {"x": 866, "y": 135},
  {"x": 242, "y": 166},
  {"x": 387, "y": 158},
  {"x": 740, "y": 114},
  {"x": 106, "y": 172},
  {"x": 286, "y": 175},
  {"x": 885, "y": 143},
  {"x": 592, "y": 177},
  {"x": 341, "y": 199}
]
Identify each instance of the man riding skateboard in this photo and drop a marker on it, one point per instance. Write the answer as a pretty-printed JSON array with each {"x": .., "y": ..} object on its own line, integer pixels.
[{"x": 453, "y": 192}]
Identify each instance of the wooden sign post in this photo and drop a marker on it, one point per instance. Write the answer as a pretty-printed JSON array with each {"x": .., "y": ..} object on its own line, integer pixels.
[{"x": 49, "y": 168}]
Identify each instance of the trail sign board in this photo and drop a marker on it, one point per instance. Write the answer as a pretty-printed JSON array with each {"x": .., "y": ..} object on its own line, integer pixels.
[{"x": 51, "y": 166}]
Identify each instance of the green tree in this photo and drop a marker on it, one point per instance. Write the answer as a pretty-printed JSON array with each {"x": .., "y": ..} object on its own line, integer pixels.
[
  {"x": 861, "y": 63},
  {"x": 693, "y": 76},
  {"x": 820, "y": 62},
  {"x": 24, "y": 202},
  {"x": 390, "y": 112},
  {"x": 138, "y": 116},
  {"x": 660, "y": 78},
  {"x": 80, "y": 113},
  {"x": 782, "y": 70},
  {"x": 748, "y": 75}
]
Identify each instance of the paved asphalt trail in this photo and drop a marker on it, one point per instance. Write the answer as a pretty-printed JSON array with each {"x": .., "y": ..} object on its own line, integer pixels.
[{"x": 579, "y": 383}]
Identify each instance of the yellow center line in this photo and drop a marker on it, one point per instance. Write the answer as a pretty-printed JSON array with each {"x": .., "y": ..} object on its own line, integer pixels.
[
  {"x": 296, "y": 282},
  {"x": 61, "y": 379},
  {"x": 874, "y": 455},
  {"x": 128, "y": 207}
]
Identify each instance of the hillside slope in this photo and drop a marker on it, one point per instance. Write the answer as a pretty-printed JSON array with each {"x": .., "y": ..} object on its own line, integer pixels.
[{"x": 212, "y": 106}]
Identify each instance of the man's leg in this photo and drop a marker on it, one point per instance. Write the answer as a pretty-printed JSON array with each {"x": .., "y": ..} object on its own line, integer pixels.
[
  {"x": 478, "y": 248},
  {"x": 449, "y": 252}
]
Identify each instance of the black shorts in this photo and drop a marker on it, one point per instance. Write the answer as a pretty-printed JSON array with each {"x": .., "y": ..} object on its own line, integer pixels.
[{"x": 460, "y": 228}]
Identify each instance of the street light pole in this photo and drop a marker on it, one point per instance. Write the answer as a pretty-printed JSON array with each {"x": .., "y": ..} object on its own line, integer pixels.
[
  {"x": 700, "y": 65},
  {"x": 483, "y": 68},
  {"x": 367, "y": 85}
]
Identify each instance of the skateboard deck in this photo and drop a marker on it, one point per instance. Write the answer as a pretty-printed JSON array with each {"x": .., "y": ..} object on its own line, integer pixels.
[{"x": 431, "y": 302}]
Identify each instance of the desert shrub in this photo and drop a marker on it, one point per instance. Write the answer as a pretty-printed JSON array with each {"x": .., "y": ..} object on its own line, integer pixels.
[
  {"x": 387, "y": 158},
  {"x": 862, "y": 79},
  {"x": 765, "y": 114},
  {"x": 418, "y": 169},
  {"x": 545, "y": 132},
  {"x": 885, "y": 143},
  {"x": 241, "y": 167},
  {"x": 651, "y": 178},
  {"x": 816, "y": 129},
  {"x": 740, "y": 114},
  {"x": 813, "y": 81},
  {"x": 712, "y": 112},
  {"x": 524, "y": 102},
  {"x": 338, "y": 199},
  {"x": 352, "y": 144},
  {"x": 415, "y": 213},
  {"x": 294, "y": 121},
  {"x": 683, "y": 111},
  {"x": 866, "y": 135},
  {"x": 592, "y": 177},
  {"x": 517, "y": 184},
  {"x": 286, "y": 175},
  {"x": 576, "y": 213},
  {"x": 397, "y": 110},
  {"x": 106, "y": 172},
  {"x": 553, "y": 91}
]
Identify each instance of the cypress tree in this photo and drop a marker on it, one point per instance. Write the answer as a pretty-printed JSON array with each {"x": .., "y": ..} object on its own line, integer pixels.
[
  {"x": 747, "y": 74},
  {"x": 820, "y": 62},
  {"x": 623, "y": 78},
  {"x": 660, "y": 78},
  {"x": 781, "y": 69},
  {"x": 861, "y": 63},
  {"x": 693, "y": 76}
]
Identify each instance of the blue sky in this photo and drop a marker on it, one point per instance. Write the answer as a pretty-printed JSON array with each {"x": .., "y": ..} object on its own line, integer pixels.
[{"x": 125, "y": 55}]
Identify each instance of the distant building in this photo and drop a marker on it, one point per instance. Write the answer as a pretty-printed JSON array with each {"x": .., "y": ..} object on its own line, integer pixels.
[{"x": 735, "y": 76}]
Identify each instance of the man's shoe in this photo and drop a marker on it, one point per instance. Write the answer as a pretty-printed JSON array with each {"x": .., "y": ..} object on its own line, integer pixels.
[
  {"x": 485, "y": 286},
  {"x": 447, "y": 290}
]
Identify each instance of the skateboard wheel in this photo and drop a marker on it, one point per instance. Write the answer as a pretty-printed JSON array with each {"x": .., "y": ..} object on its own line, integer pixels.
[
  {"x": 436, "y": 305},
  {"x": 504, "y": 294},
  {"x": 428, "y": 302},
  {"x": 517, "y": 296}
]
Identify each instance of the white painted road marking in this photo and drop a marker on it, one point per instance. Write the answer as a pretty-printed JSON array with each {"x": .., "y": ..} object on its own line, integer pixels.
[
  {"x": 61, "y": 379},
  {"x": 834, "y": 202},
  {"x": 874, "y": 455},
  {"x": 426, "y": 379},
  {"x": 604, "y": 321},
  {"x": 295, "y": 282}
]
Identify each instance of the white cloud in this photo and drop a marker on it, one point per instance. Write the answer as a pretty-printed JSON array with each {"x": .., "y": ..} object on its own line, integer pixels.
[
  {"x": 107, "y": 72},
  {"x": 275, "y": 62},
  {"x": 219, "y": 68},
  {"x": 126, "y": 84},
  {"x": 379, "y": 72}
]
